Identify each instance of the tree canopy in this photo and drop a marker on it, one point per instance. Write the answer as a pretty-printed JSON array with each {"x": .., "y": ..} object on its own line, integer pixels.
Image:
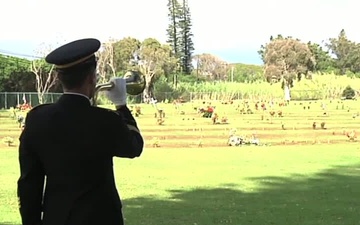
[{"x": 283, "y": 57}]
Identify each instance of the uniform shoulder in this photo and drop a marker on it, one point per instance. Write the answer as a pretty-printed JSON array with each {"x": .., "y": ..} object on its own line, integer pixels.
[
  {"x": 38, "y": 111},
  {"x": 40, "y": 107},
  {"x": 104, "y": 110}
]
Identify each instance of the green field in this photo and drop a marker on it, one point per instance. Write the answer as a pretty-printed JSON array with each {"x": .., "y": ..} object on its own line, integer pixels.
[{"x": 300, "y": 176}]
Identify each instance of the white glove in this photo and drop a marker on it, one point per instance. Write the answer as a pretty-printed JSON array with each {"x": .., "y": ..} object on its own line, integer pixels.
[{"x": 117, "y": 94}]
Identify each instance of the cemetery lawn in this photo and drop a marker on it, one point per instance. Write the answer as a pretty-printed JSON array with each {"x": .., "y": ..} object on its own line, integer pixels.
[
  {"x": 299, "y": 176},
  {"x": 277, "y": 185}
]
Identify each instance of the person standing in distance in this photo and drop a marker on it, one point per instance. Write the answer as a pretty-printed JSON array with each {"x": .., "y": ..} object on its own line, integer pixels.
[{"x": 72, "y": 145}]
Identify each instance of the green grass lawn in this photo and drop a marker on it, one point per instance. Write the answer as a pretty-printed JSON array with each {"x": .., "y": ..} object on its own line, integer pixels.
[
  {"x": 267, "y": 185},
  {"x": 309, "y": 184}
]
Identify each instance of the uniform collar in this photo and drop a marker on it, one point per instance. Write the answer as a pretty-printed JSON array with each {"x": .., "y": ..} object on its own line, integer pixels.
[
  {"x": 74, "y": 93},
  {"x": 74, "y": 99}
]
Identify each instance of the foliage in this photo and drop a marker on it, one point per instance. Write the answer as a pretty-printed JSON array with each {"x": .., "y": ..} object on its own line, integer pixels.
[
  {"x": 321, "y": 86},
  {"x": 327, "y": 86},
  {"x": 20, "y": 82},
  {"x": 348, "y": 93},
  {"x": 186, "y": 44},
  {"x": 163, "y": 91},
  {"x": 180, "y": 35},
  {"x": 339, "y": 55},
  {"x": 346, "y": 52},
  {"x": 212, "y": 74},
  {"x": 193, "y": 78},
  {"x": 15, "y": 74},
  {"x": 287, "y": 59},
  {"x": 156, "y": 61},
  {"x": 105, "y": 62},
  {"x": 45, "y": 77},
  {"x": 173, "y": 33},
  {"x": 125, "y": 50},
  {"x": 324, "y": 62},
  {"x": 211, "y": 67},
  {"x": 262, "y": 49},
  {"x": 245, "y": 73}
]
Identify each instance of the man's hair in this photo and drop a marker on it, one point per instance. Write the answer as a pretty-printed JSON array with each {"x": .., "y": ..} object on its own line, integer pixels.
[{"x": 74, "y": 77}]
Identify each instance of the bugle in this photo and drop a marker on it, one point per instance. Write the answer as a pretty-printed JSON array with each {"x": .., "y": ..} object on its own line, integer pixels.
[{"x": 135, "y": 85}]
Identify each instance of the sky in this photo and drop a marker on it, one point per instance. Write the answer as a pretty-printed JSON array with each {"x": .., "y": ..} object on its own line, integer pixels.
[{"x": 233, "y": 30}]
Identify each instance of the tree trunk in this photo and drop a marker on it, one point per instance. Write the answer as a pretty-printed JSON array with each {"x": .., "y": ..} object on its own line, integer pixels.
[
  {"x": 175, "y": 80},
  {"x": 148, "y": 93},
  {"x": 40, "y": 97},
  {"x": 287, "y": 92}
]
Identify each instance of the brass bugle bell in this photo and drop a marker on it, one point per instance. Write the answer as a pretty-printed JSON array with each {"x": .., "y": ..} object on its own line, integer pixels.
[{"x": 135, "y": 85}]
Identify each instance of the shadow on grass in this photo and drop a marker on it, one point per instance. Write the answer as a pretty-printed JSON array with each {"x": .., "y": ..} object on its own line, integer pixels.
[{"x": 331, "y": 197}]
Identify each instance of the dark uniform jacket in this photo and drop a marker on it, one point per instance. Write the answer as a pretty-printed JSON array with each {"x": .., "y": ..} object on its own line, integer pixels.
[{"x": 72, "y": 144}]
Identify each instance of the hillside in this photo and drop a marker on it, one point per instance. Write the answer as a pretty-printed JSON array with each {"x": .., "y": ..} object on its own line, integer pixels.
[
  {"x": 247, "y": 67},
  {"x": 247, "y": 72}
]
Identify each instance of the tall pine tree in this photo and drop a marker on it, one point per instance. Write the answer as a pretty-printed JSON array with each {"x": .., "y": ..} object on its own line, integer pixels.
[
  {"x": 179, "y": 33},
  {"x": 173, "y": 30},
  {"x": 186, "y": 44}
]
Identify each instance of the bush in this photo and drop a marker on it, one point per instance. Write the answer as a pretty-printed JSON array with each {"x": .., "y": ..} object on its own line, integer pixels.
[
  {"x": 164, "y": 91},
  {"x": 348, "y": 93}
]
